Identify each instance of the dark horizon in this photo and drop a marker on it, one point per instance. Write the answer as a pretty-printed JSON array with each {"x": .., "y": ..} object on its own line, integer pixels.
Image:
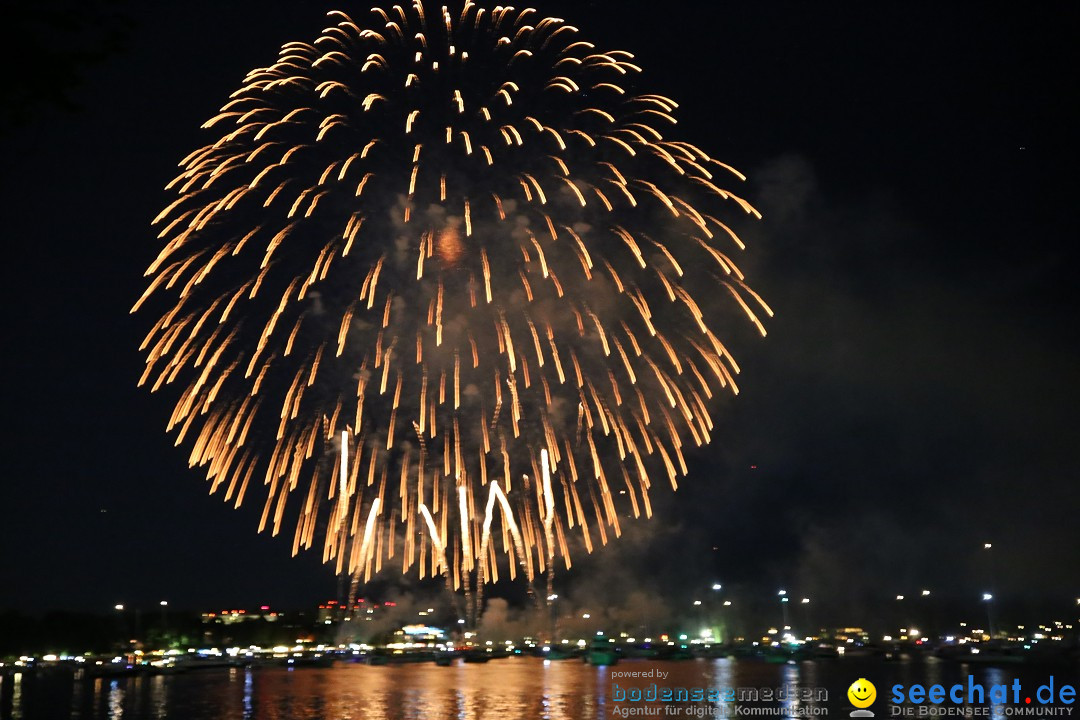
[{"x": 913, "y": 400}]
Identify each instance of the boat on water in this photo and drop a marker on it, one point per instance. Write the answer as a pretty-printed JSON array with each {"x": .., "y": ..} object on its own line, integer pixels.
[
  {"x": 602, "y": 652},
  {"x": 476, "y": 656},
  {"x": 988, "y": 653},
  {"x": 645, "y": 651}
]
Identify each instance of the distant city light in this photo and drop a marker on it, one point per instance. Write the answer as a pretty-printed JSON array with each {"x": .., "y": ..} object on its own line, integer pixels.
[
  {"x": 727, "y": 603},
  {"x": 925, "y": 593},
  {"x": 899, "y": 597},
  {"x": 118, "y": 607},
  {"x": 717, "y": 586},
  {"x": 987, "y": 597},
  {"x": 782, "y": 593},
  {"x": 586, "y": 615},
  {"x": 805, "y": 600},
  {"x": 987, "y": 546},
  {"x": 696, "y": 603},
  {"x": 164, "y": 603}
]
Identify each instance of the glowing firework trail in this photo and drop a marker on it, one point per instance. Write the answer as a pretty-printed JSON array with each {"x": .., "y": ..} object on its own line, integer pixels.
[
  {"x": 461, "y": 221},
  {"x": 549, "y": 520}
]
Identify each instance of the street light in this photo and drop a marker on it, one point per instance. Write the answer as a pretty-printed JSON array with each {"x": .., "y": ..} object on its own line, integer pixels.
[
  {"x": 807, "y": 625},
  {"x": 717, "y": 586},
  {"x": 554, "y": 615},
  {"x": 900, "y": 614},
  {"x": 988, "y": 598},
  {"x": 119, "y": 608},
  {"x": 697, "y": 602},
  {"x": 929, "y": 616},
  {"x": 783, "y": 604},
  {"x": 164, "y": 621}
]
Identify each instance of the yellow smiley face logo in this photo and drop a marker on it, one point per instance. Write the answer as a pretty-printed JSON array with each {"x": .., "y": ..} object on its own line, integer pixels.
[{"x": 862, "y": 693}]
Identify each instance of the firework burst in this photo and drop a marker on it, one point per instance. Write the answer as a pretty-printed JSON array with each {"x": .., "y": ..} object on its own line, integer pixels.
[{"x": 434, "y": 282}]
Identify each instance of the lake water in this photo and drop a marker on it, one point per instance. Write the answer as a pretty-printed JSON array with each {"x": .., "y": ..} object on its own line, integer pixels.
[{"x": 514, "y": 688}]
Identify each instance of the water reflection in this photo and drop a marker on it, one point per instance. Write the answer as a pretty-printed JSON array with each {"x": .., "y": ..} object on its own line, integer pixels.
[
  {"x": 724, "y": 676},
  {"x": 499, "y": 690},
  {"x": 789, "y": 681},
  {"x": 158, "y": 695},
  {"x": 16, "y": 697},
  {"x": 248, "y": 684},
  {"x": 603, "y": 674},
  {"x": 994, "y": 676},
  {"x": 116, "y": 700}
]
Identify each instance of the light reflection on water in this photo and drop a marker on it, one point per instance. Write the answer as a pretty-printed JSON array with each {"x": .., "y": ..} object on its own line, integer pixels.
[
  {"x": 724, "y": 672},
  {"x": 994, "y": 676},
  {"x": 16, "y": 697},
  {"x": 116, "y": 700},
  {"x": 158, "y": 698},
  {"x": 248, "y": 685},
  {"x": 790, "y": 677},
  {"x": 500, "y": 690}
]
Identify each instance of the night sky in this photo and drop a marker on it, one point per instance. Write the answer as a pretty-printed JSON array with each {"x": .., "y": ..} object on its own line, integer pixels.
[{"x": 917, "y": 395}]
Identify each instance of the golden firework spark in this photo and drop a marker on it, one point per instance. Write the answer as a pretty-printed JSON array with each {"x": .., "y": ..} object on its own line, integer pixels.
[{"x": 440, "y": 270}]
